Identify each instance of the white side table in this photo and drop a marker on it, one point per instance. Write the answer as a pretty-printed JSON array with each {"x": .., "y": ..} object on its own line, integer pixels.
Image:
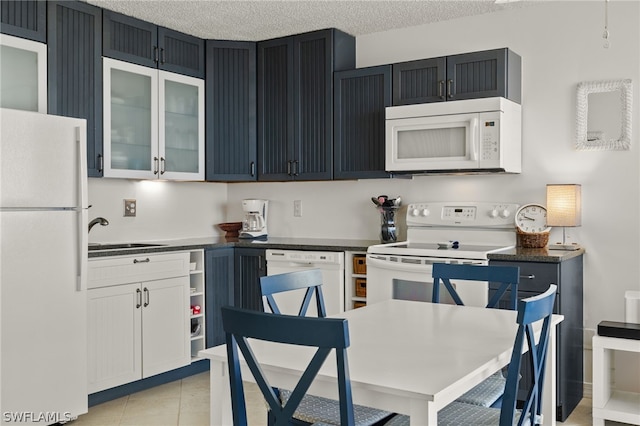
[{"x": 609, "y": 403}]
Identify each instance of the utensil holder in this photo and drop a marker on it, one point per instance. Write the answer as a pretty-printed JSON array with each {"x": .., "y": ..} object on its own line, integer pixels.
[{"x": 388, "y": 224}]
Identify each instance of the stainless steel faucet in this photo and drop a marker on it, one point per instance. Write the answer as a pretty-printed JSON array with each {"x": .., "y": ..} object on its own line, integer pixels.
[{"x": 98, "y": 220}]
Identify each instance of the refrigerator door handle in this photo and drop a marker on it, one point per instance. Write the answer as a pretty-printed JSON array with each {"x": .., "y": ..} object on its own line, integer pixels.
[{"x": 83, "y": 235}]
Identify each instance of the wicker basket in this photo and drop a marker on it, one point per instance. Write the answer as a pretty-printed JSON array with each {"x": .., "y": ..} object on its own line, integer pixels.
[
  {"x": 361, "y": 287},
  {"x": 359, "y": 265},
  {"x": 536, "y": 240}
]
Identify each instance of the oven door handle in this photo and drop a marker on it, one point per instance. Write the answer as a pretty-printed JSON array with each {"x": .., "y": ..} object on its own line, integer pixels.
[{"x": 375, "y": 262}]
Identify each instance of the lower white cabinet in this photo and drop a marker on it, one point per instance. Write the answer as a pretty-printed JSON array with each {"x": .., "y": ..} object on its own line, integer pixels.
[{"x": 137, "y": 329}]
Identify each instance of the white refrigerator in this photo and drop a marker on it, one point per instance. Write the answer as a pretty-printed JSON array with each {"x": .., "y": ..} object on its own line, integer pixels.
[{"x": 43, "y": 262}]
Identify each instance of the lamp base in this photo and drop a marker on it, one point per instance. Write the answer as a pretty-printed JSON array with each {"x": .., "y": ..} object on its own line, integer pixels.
[{"x": 565, "y": 247}]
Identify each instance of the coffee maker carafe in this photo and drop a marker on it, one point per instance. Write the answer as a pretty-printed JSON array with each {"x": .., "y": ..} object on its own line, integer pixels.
[{"x": 254, "y": 224}]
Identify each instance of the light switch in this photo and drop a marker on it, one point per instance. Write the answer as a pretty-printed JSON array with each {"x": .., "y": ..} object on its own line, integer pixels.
[{"x": 130, "y": 208}]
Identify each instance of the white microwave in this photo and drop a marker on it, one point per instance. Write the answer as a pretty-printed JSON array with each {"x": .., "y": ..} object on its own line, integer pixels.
[{"x": 473, "y": 135}]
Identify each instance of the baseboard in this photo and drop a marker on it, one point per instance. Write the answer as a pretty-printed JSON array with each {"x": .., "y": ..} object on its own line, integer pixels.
[
  {"x": 587, "y": 390},
  {"x": 150, "y": 382}
]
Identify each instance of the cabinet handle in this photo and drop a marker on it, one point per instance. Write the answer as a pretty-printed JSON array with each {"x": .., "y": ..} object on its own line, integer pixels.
[
  {"x": 253, "y": 168},
  {"x": 528, "y": 277},
  {"x": 441, "y": 89},
  {"x": 449, "y": 83},
  {"x": 162, "y": 165},
  {"x": 289, "y": 167},
  {"x": 155, "y": 165},
  {"x": 147, "y": 260},
  {"x": 146, "y": 297},
  {"x": 162, "y": 55},
  {"x": 155, "y": 53},
  {"x": 100, "y": 163},
  {"x": 138, "y": 298},
  {"x": 296, "y": 163}
]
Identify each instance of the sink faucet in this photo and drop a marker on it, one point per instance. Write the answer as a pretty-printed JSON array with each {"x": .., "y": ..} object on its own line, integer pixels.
[{"x": 98, "y": 220}]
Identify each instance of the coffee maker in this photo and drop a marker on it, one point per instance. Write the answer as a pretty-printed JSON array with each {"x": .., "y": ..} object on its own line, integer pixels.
[{"x": 254, "y": 224}]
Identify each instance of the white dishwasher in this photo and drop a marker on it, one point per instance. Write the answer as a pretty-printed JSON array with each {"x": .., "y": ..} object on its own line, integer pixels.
[{"x": 331, "y": 264}]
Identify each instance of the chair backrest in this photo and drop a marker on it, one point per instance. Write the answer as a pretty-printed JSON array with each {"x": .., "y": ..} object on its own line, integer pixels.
[
  {"x": 310, "y": 279},
  {"x": 530, "y": 311},
  {"x": 506, "y": 276},
  {"x": 326, "y": 334}
]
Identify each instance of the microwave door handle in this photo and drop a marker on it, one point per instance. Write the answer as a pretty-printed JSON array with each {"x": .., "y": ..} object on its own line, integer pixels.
[{"x": 475, "y": 136}]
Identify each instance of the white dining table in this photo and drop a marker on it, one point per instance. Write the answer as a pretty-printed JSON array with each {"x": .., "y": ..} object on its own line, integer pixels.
[{"x": 406, "y": 357}]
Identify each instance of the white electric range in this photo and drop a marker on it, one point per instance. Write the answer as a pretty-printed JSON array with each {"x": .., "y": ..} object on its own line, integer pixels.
[{"x": 440, "y": 232}]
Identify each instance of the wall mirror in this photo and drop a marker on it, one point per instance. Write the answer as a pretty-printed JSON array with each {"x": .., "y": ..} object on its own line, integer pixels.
[{"x": 603, "y": 116}]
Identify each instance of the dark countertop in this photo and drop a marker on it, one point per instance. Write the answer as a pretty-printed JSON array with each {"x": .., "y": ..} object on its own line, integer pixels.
[
  {"x": 316, "y": 244},
  {"x": 521, "y": 254}
]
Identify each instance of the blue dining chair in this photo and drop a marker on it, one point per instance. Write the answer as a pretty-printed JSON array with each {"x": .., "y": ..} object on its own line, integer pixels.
[
  {"x": 310, "y": 279},
  {"x": 491, "y": 389},
  {"x": 311, "y": 409},
  {"x": 507, "y": 276},
  {"x": 325, "y": 334},
  {"x": 531, "y": 310}
]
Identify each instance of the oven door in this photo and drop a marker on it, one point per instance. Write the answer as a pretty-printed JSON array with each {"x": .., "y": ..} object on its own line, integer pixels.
[{"x": 409, "y": 278}]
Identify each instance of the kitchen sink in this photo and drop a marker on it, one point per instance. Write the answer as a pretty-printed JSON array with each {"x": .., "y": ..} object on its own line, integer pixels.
[{"x": 120, "y": 246}]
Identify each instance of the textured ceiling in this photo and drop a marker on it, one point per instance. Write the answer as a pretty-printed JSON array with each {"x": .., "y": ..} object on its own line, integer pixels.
[{"x": 264, "y": 19}]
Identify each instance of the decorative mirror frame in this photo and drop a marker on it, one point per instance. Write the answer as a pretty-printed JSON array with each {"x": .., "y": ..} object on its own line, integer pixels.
[{"x": 591, "y": 140}]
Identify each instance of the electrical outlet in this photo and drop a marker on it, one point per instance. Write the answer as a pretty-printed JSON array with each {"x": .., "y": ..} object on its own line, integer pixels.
[
  {"x": 130, "y": 208},
  {"x": 297, "y": 208}
]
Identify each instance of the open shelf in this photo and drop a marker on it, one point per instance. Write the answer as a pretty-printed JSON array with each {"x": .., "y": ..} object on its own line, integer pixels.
[
  {"x": 355, "y": 279},
  {"x": 197, "y": 297},
  {"x": 608, "y": 402}
]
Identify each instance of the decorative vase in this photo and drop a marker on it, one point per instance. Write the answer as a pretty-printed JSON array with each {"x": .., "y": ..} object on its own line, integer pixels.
[{"x": 388, "y": 224}]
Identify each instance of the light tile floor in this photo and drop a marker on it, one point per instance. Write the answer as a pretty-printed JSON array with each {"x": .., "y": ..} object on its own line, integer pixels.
[{"x": 186, "y": 403}]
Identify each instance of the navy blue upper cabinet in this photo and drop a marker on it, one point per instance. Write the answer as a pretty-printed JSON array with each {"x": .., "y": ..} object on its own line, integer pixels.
[
  {"x": 143, "y": 43},
  {"x": 482, "y": 74},
  {"x": 24, "y": 18},
  {"x": 75, "y": 74},
  {"x": 231, "y": 142},
  {"x": 360, "y": 97},
  {"x": 295, "y": 101}
]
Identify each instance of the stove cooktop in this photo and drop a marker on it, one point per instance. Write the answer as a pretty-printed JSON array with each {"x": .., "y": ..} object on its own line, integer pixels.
[{"x": 431, "y": 249}]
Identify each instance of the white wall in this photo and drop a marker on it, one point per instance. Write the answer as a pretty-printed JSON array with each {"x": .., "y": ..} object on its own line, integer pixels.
[{"x": 166, "y": 210}]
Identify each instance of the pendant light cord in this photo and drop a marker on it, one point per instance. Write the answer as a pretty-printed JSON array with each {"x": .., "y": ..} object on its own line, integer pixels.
[{"x": 605, "y": 34}]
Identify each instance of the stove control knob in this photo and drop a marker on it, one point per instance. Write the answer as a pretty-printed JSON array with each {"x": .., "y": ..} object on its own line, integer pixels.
[
  {"x": 415, "y": 212},
  {"x": 425, "y": 212},
  {"x": 505, "y": 213},
  {"x": 493, "y": 213}
]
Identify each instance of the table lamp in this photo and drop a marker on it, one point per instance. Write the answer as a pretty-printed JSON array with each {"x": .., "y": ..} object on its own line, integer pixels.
[{"x": 564, "y": 209}]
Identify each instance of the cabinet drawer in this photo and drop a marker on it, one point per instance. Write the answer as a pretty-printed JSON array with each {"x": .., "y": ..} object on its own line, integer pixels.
[
  {"x": 535, "y": 277},
  {"x": 136, "y": 268}
]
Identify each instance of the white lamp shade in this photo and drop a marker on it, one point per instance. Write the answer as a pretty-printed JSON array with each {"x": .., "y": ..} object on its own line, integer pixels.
[{"x": 564, "y": 205}]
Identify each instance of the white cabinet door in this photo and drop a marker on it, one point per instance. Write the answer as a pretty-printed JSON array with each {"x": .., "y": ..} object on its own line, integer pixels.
[
  {"x": 181, "y": 124},
  {"x": 130, "y": 120},
  {"x": 23, "y": 74},
  {"x": 165, "y": 325},
  {"x": 114, "y": 336},
  {"x": 153, "y": 123}
]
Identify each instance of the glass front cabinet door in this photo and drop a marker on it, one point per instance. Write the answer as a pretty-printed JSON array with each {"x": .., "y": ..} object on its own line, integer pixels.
[
  {"x": 153, "y": 123},
  {"x": 23, "y": 74}
]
